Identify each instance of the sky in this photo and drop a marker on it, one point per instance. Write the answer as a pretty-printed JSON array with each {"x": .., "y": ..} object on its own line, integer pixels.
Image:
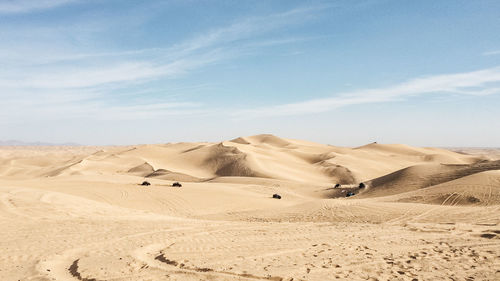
[{"x": 347, "y": 73}]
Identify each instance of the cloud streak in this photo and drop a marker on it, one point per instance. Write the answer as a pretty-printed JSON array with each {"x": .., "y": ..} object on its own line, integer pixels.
[
  {"x": 477, "y": 83},
  {"x": 491, "y": 53},
  {"x": 26, "y": 6},
  {"x": 48, "y": 85}
]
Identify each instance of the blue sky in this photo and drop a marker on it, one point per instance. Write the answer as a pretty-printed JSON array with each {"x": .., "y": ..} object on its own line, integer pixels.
[{"x": 347, "y": 73}]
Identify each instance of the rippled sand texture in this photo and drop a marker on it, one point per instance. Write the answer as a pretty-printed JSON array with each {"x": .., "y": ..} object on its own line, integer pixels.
[{"x": 79, "y": 213}]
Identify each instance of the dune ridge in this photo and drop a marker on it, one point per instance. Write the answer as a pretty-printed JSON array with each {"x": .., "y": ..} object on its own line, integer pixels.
[
  {"x": 256, "y": 156},
  {"x": 81, "y": 213},
  {"x": 426, "y": 176}
]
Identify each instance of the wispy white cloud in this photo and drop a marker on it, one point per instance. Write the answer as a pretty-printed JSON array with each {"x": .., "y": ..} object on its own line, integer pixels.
[
  {"x": 48, "y": 84},
  {"x": 125, "y": 73},
  {"x": 481, "y": 82},
  {"x": 206, "y": 48},
  {"x": 30, "y": 57},
  {"x": 249, "y": 28},
  {"x": 91, "y": 105},
  {"x": 24, "y": 6},
  {"x": 491, "y": 53},
  {"x": 75, "y": 77}
]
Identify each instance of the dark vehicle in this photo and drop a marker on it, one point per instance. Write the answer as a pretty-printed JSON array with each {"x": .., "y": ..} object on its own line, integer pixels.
[
  {"x": 145, "y": 183},
  {"x": 349, "y": 194},
  {"x": 276, "y": 196},
  {"x": 362, "y": 185},
  {"x": 176, "y": 184},
  {"x": 337, "y": 185}
]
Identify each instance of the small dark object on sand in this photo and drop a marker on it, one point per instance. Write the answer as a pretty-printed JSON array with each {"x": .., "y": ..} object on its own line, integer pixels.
[
  {"x": 337, "y": 185},
  {"x": 276, "y": 196},
  {"x": 176, "y": 184},
  {"x": 349, "y": 194},
  {"x": 362, "y": 185},
  {"x": 145, "y": 183}
]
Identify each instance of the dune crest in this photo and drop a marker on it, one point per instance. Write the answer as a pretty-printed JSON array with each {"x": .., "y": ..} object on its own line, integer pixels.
[
  {"x": 424, "y": 176},
  {"x": 264, "y": 156},
  {"x": 252, "y": 208}
]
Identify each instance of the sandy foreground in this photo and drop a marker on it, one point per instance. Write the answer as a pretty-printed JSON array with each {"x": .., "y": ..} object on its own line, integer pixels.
[{"x": 80, "y": 213}]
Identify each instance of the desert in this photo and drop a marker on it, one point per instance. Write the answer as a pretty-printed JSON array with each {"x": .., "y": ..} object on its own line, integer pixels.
[
  {"x": 81, "y": 213},
  {"x": 281, "y": 140}
]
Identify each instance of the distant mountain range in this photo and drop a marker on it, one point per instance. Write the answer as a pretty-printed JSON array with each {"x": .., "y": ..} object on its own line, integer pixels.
[{"x": 22, "y": 143}]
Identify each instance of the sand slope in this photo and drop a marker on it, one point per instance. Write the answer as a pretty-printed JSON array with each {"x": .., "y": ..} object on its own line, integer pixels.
[
  {"x": 264, "y": 156},
  {"x": 481, "y": 188},
  {"x": 79, "y": 213}
]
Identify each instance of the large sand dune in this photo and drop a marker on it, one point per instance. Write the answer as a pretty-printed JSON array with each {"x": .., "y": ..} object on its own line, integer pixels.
[{"x": 79, "y": 213}]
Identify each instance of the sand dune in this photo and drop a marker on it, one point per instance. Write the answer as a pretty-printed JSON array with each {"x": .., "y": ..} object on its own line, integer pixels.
[
  {"x": 263, "y": 156},
  {"x": 424, "y": 176},
  {"x": 79, "y": 213},
  {"x": 481, "y": 188}
]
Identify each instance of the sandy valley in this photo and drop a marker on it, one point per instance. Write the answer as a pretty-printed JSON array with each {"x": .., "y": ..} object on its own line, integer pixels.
[{"x": 80, "y": 213}]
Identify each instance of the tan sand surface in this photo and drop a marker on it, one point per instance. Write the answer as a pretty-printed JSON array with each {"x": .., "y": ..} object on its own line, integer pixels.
[
  {"x": 79, "y": 213},
  {"x": 489, "y": 153}
]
